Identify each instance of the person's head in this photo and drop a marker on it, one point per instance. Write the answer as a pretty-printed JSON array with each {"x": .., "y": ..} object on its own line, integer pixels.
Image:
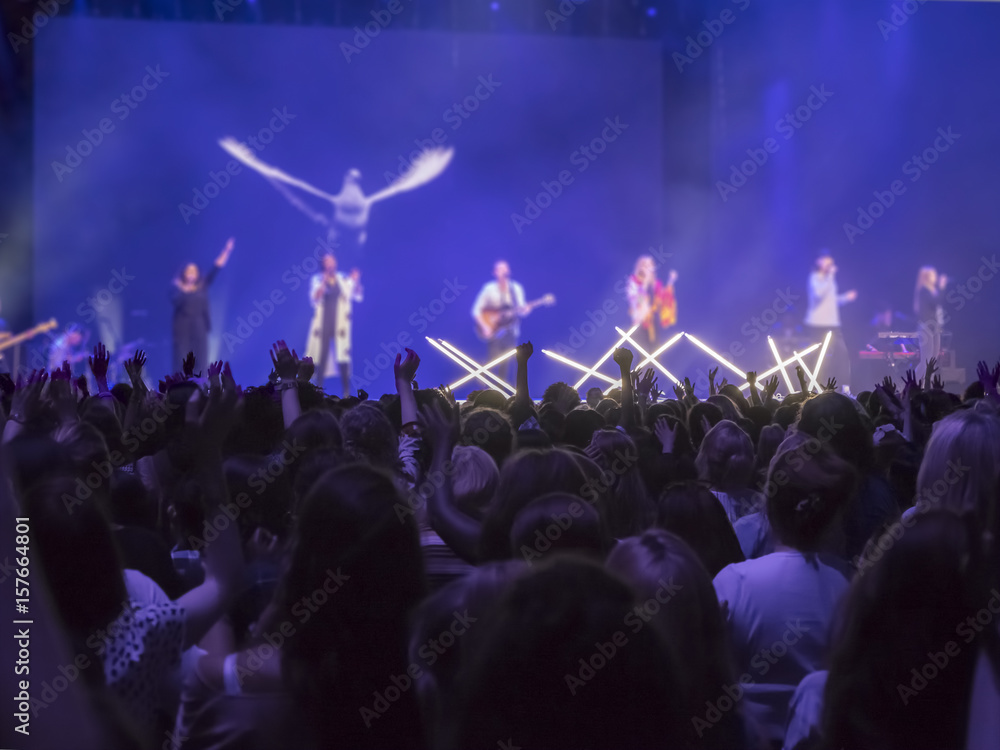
[
  {"x": 474, "y": 480},
  {"x": 190, "y": 274},
  {"x": 594, "y": 396},
  {"x": 927, "y": 277},
  {"x": 501, "y": 270},
  {"x": 491, "y": 399},
  {"x": 824, "y": 261},
  {"x": 833, "y": 419},
  {"x": 734, "y": 394},
  {"x": 561, "y": 396},
  {"x": 329, "y": 262},
  {"x": 352, "y": 177},
  {"x": 899, "y": 620},
  {"x": 369, "y": 437},
  {"x": 581, "y": 424},
  {"x": 362, "y": 568},
  {"x": 767, "y": 445},
  {"x": 456, "y": 607},
  {"x": 961, "y": 465},
  {"x": 490, "y": 430},
  {"x": 725, "y": 459},
  {"x": 557, "y": 523},
  {"x": 527, "y": 475},
  {"x": 629, "y": 509},
  {"x": 700, "y": 419},
  {"x": 675, "y": 591},
  {"x": 317, "y": 429},
  {"x": 525, "y": 679},
  {"x": 693, "y": 513},
  {"x": 726, "y": 405},
  {"x": 645, "y": 268},
  {"x": 809, "y": 488}
]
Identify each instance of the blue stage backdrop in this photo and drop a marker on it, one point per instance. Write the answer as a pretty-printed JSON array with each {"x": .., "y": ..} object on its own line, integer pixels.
[{"x": 131, "y": 184}]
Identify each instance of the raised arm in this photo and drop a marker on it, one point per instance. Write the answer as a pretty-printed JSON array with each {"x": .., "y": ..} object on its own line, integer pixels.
[
  {"x": 404, "y": 371},
  {"x": 457, "y": 530},
  {"x": 623, "y": 357}
]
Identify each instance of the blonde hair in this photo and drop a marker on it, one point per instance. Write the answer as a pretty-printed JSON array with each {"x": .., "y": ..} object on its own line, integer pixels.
[
  {"x": 961, "y": 466},
  {"x": 475, "y": 479}
]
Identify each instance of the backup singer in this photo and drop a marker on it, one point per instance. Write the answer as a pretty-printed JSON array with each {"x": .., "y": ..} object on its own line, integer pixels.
[
  {"x": 824, "y": 316},
  {"x": 930, "y": 315},
  {"x": 332, "y": 294},
  {"x": 651, "y": 303},
  {"x": 189, "y": 297}
]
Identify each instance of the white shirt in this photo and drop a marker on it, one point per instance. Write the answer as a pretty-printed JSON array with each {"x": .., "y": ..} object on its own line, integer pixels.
[
  {"x": 806, "y": 709},
  {"x": 491, "y": 298},
  {"x": 780, "y": 609},
  {"x": 824, "y": 301}
]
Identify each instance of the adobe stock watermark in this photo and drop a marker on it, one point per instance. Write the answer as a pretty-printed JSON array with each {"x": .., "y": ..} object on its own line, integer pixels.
[
  {"x": 785, "y": 127},
  {"x": 131, "y": 440},
  {"x": 429, "y": 653},
  {"x": 704, "y": 39},
  {"x": 363, "y": 36},
  {"x": 46, "y": 9},
  {"x": 218, "y": 181},
  {"x": 563, "y": 11},
  {"x": 92, "y": 306},
  {"x": 581, "y": 158},
  {"x": 455, "y": 115},
  {"x": 635, "y": 620},
  {"x": 901, "y": 13},
  {"x": 914, "y": 167},
  {"x": 421, "y": 319},
  {"x": 760, "y": 664},
  {"x": 123, "y": 106},
  {"x": 937, "y": 661}
]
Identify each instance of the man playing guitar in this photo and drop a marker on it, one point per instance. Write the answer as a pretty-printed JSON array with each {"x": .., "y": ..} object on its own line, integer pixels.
[{"x": 497, "y": 311}]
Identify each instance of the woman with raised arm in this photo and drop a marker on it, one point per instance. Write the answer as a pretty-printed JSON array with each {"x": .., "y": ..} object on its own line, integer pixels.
[{"x": 192, "y": 320}]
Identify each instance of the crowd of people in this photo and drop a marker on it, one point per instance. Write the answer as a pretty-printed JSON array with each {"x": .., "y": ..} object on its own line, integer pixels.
[{"x": 220, "y": 566}]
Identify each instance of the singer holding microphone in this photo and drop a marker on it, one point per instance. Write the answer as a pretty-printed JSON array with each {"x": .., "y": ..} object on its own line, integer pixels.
[
  {"x": 930, "y": 315},
  {"x": 824, "y": 316}
]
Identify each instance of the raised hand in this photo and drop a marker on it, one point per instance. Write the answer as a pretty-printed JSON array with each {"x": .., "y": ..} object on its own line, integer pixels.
[
  {"x": 937, "y": 384},
  {"x": 688, "y": 388},
  {"x": 219, "y": 413},
  {"x": 831, "y": 385},
  {"x": 61, "y": 393},
  {"x": 929, "y": 372},
  {"x": 306, "y": 369},
  {"x": 447, "y": 394},
  {"x": 888, "y": 385},
  {"x": 27, "y": 398},
  {"x": 99, "y": 366},
  {"x": 800, "y": 374},
  {"x": 711, "y": 381},
  {"x": 623, "y": 358},
  {"x": 524, "y": 352},
  {"x": 187, "y": 366},
  {"x": 722, "y": 384},
  {"x": 286, "y": 363},
  {"x": 646, "y": 383},
  {"x": 751, "y": 377},
  {"x": 214, "y": 373},
  {"x": 988, "y": 378},
  {"x": 133, "y": 368},
  {"x": 406, "y": 369},
  {"x": 910, "y": 384},
  {"x": 665, "y": 433},
  {"x": 679, "y": 391},
  {"x": 770, "y": 387}
]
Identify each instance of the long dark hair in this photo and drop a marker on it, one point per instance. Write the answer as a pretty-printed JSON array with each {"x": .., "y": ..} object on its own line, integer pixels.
[
  {"x": 349, "y": 538},
  {"x": 909, "y": 606}
]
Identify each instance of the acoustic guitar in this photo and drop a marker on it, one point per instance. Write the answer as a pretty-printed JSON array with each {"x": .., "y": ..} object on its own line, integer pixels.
[
  {"x": 7, "y": 341},
  {"x": 495, "y": 319}
]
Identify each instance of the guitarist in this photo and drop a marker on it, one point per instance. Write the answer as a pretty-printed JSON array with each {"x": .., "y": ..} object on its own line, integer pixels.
[{"x": 507, "y": 297}]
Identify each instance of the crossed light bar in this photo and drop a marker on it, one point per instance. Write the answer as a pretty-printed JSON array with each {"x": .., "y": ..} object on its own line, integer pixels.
[
  {"x": 592, "y": 371},
  {"x": 474, "y": 369},
  {"x": 649, "y": 358},
  {"x": 589, "y": 371},
  {"x": 795, "y": 357}
]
